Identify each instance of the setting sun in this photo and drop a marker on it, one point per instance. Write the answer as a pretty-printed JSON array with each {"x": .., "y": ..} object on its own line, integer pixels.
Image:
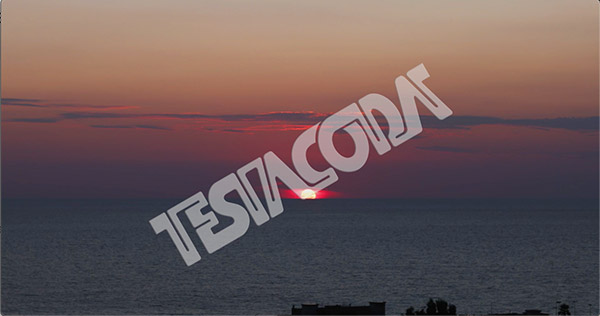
[{"x": 308, "y": 194}]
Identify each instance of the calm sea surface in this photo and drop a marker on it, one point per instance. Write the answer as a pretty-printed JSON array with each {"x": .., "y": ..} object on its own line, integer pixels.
[{"x": 102, "y": 257}]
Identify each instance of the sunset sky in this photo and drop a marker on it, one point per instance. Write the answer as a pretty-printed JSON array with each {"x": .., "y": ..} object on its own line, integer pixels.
[{"x": 105, "y": 99}]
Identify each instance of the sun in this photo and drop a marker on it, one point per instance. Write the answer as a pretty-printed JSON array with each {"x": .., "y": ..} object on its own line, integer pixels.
[{"x": 308, "y": 194}]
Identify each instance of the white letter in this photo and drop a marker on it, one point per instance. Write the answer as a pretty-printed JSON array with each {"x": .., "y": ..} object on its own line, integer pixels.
[
  {"x": 216, "y": 196},
  {"x": 277, "y": 169},
  {"x": 440, "y": 109},
  {"x": 344, "y": 119},
  {"x": 407, "y": 94},
  {"x": 175, "y": 229},
  {"x": 258, "y": 212},
  {"x": 320, "y": 179},
  {"x": 389, "y": 110}
]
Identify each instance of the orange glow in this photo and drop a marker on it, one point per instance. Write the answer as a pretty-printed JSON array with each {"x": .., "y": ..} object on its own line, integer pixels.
[{"x": 98, "y": 100}]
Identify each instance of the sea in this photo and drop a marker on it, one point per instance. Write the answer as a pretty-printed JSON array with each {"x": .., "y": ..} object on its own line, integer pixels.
[{"x": 102, "y": 257}]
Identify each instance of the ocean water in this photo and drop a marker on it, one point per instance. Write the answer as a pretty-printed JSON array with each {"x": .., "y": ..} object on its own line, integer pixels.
[{"x": 102, "y": 257}]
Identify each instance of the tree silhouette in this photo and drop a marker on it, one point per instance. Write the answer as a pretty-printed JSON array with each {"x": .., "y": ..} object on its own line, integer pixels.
[
  {"x": 564, "y": 310},
  {"x": 437, "y": 307},
  {"x": 431, "y": 307},
  {"x": 442, "y": 307},
  {"x": 452, "y": 309}
]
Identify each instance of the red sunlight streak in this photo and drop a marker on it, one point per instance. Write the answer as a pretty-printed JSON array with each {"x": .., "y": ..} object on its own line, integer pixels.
[{"x": 323, "y": 194}]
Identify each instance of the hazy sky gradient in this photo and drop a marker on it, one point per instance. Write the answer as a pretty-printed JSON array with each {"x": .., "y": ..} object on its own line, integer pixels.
[{"x": 95, "y": 94}]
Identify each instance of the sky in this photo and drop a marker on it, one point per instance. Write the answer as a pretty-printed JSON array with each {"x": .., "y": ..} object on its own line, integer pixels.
[{"x": 140, "y": 99}]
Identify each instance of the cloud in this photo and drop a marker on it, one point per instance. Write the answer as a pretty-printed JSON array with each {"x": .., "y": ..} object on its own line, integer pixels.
[
  {"x": 35, "y": 120},
  {"x": 133, "y": 126},
  {"x": 282, "y": 120},
  {"x": 21, "y": 102},
  {"x": 446, "y": 149},
  {"x": 280, "y": 127},
  {"x": 39, "y": 103},
  {"x": 153, "y": 127},
  {"x": 105, "y": 115},
  {"x": 300, "y": 120},
  {"x": 92, "y": 107},
  {"x": 232, "y": 130},
  {"x": 308, "y": 116},
  {"x": 465, "y": 121}
]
